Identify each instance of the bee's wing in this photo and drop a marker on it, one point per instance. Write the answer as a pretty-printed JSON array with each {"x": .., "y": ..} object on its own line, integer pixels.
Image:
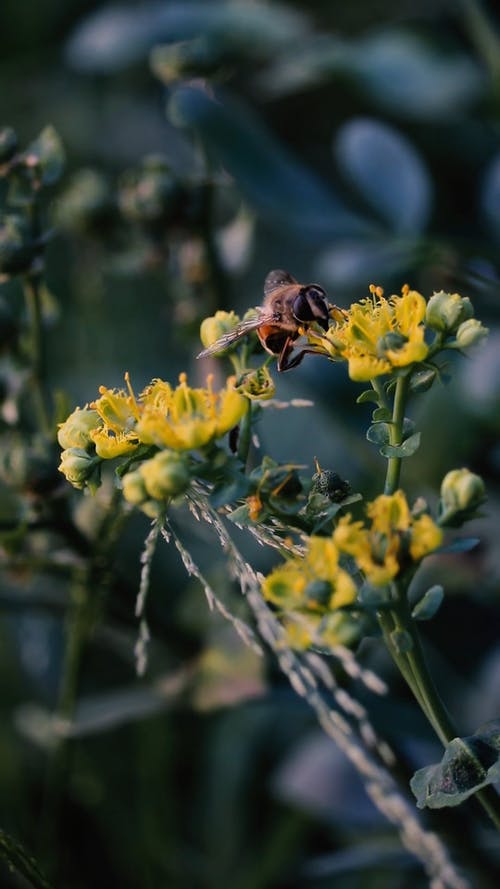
[
  {"x": 277, "y": 278},
  {"x": 245, "y": 326}
]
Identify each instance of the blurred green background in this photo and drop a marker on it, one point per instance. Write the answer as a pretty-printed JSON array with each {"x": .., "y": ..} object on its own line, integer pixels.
[{"x": 349, "y": 144}]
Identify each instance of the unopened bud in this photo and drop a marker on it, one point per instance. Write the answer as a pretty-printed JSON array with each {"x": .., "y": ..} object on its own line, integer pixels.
[
  {"x": 258, "y": 385},
  {"x": 134, "y": 488},
  {"x": 79, "y": 467},
  {"x": 217, "y": 325},
  {"x": 165, "y": 475},
  {"x": 75, "y": 431},
  {"x": 462, "y": 492},
  {"x": 469, "y": 333},
  {"x": 446, "y": 311}
]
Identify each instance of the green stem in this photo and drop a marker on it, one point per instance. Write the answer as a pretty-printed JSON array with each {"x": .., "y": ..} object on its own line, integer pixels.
[
  {"x": 245, "y": 434},
  {"x": 32, "y": 294},
  {"x": 411, "y": 663},
  {"x": 396, "y": 434}
]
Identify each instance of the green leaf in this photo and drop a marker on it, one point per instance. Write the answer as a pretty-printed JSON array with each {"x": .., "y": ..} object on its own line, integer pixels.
[
  {"x": 468, "y": 765},
  {"x": 113, "y": 37},
  {"x": 406, "y": 449},
  {"x": 46, "y": 154},
  {"x": 381, "y": 414},
  {"x": 379, "y": 434},
  {"x": 387, "y": 172},
  {"x": 368, "y": 395},
  {"x": 422, "y": 380},
  {"x": 282, "y": 189},
  {"x": 460, "y": 545},
  {"x": 429, "y": 604}
]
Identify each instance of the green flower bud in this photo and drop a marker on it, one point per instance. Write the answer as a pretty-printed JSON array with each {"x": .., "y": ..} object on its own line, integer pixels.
[
  {"x": 79, "y": 467},
  {"x": 469, "y": 333},
  {"x": 166, "y": 475},
  {"x": 462, "y": 492},
  {"x": 151, "y": 508},
  {"x": 134, "y": 488},
  {"x": 150, "y": 194},
  {"x": 17, "y": 250},
  {"x": 8, "y": 144},
  {"x": 75, "y": 431},
  {"x": 217, "y": 325},
  {"x": 446, "y": 311},
  {"x": 258, "y": 385},
  {"x": 86, "y": 205}
]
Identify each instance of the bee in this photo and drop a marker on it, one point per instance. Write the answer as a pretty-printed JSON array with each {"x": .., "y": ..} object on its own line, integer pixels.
[{"x": 287, "y": 311}]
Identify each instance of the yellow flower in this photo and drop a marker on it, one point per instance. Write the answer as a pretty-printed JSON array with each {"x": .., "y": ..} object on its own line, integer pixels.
[
  {"x": 389, "y": 512},
  {"x": 118, "y": 410},
  {"x": 378, "y": 334},
  {"x": 186, "y": 418},
  {"x": 315, "y": 582},
  {"x": 426, "y": 536},
  {"x": 383, "y": 548},
  {"x": 109, "y": 444}
]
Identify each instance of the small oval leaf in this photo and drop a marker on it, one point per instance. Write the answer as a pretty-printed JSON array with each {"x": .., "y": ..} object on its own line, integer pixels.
[
  {"x": 387, "y": 172},
  {"x": 406, "y": 449},
  {"x": 379, "y": 434},
  {"x": 429, "y": 604}
]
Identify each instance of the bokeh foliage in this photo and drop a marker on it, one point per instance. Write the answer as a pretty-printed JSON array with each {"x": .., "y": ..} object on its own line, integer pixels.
[{"x": 205, "y": 143}]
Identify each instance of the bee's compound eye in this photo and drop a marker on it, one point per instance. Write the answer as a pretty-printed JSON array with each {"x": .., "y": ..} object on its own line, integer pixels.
[
  {"x": 311, "y": 305},
  {"x": 317, "y": 294}
]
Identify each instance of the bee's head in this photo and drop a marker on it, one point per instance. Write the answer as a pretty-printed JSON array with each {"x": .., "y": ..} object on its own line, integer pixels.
[{"x": 311, "y": 305}]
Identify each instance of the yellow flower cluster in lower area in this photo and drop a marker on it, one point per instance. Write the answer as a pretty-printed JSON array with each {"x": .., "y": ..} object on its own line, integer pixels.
[
  {"x": 392, "y": 541},
  {"x": 119, "y": 424},
  {"x": 316, "y": 593},
  {"x": 308, "y": 592}
]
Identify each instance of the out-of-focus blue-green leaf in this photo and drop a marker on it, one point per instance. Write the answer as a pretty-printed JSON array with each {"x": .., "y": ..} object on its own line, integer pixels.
[
  {"x": 116, "y": 36},
  {"x": 272, "y": 180},
  {"x": 353, "y": 263},
  {"x": 468, "y": 765},
  {"x": 413, "y": 79},
  {"x": 387, "y": 172},
  {"x": 490, "y": 197},
  {"x": 398, "y": 70},
  {"x": 429, "y": 604}
]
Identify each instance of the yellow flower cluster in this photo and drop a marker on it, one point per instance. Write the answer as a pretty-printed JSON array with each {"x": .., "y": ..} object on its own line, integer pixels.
[
  {"x": 391, "y": 543},
  {"x": 117, "y": 424},
  {"x": 378, "y": 335},
  {"x": 309, "y": 591},
  {"x": 315, "y": 594}
]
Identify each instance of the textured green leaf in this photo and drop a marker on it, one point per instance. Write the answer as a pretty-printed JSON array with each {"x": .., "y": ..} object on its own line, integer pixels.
[
  {"x": 379, "y": 434},
  {"x": 406, "y": 449},
  {"x": 368, "y": 395},
  {"x": 423, "y": 380},
  {"x": 381, "y": 414},
  {"x": 468, "y": 765}
]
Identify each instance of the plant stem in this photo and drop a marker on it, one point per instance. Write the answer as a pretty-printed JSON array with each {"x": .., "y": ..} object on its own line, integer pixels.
[
  {"x": 411, "y": 663},
  {"x": 245, "y": 434},
  {"x": 31, "y": 285},
  {"x": 396, "y": 434}
]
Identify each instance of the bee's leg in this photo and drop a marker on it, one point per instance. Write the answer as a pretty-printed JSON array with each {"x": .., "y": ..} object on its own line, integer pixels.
[{"x": 285, "y": 364}]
